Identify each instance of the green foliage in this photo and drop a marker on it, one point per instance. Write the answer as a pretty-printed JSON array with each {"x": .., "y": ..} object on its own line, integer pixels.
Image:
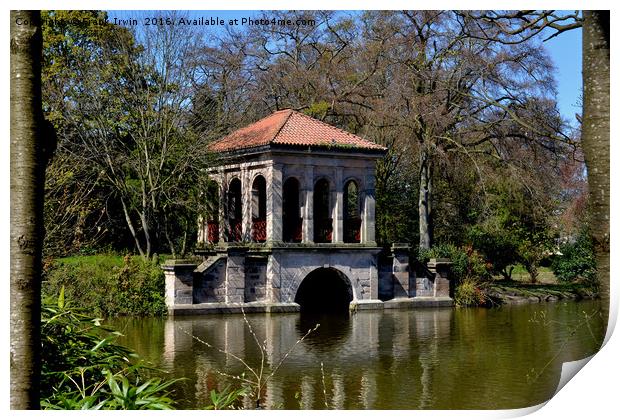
[
  {"x": 82, "y": 367},
  {"x": 517, "y": 229},
  {"x": 318, "y": 109},
  {"x": 576, "y": 262},
  {"x": 466, "y": 262},
  {"x": 226, "y": 398},
  {"x": 127, "y": 154},
  {"x": 397, "y": 201},
  {"x": 109, "y": 284},
  {"x": 500, "y": 248},
  {"x": 470, "y": 292}
]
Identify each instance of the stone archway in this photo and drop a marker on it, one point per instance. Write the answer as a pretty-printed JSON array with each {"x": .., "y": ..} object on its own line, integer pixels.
[{"x": 324, "y": 290}]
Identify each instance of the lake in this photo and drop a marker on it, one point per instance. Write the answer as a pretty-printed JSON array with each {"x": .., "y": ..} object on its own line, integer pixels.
[{"x": 450, "y": 358}]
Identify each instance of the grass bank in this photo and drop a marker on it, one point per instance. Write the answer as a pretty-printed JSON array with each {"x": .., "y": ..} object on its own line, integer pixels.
[{"x": 107, "y": 285}]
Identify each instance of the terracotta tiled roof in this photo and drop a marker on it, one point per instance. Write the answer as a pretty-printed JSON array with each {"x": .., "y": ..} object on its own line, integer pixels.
[{"x": 288, "y": 127}]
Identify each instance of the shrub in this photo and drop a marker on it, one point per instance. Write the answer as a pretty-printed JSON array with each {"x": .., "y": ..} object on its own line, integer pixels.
[
  {"x": 466, "y": 262},
  {"x": 499, "y": 246},
  {"x": 576, "y": 262},
  {"x": 108, "y": 285},
  {"x": 82, "y": 368},
  {"x": 469, "y": 292}
]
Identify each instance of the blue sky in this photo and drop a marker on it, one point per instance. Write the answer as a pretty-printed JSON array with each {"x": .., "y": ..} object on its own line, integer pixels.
[{"x": 565, "y": 51}]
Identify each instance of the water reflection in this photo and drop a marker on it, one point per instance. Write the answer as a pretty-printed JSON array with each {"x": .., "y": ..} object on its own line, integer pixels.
[
  {"x": 333, "y": 330},
  {"x": 431, "y": 358}
]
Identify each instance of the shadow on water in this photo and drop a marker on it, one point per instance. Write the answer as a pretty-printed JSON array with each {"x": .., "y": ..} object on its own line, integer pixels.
[
  {"x": 324, "y": 297},
  {"x": 334, "y": 329}
]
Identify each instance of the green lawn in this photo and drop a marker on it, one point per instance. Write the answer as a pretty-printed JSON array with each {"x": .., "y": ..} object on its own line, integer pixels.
[{"x": 545, "y": 275}]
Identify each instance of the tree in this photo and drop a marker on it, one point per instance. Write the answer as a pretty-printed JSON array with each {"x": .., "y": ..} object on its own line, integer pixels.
[
  {"x": 454, "y": 95},
  {"x": 515, "y": 27},
  {"x": 595, "y": 137},
  {"x": 80, "y": 207},
  {"x": 123, "y": 101},
  {"x": 413, "y": 81},
  {"x": 27, "y": 179}
]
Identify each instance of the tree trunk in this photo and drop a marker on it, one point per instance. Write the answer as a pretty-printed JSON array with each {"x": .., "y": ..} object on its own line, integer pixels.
[
  {"x": 595, "y": 138},
  {"x": 132, "y": 229},
  {"x": 27, "y": 181},
  {"x": 424, "y": 202}
]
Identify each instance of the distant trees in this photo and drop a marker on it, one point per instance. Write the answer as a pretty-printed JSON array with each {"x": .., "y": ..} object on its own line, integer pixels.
[
  {"x": 123, "y": 108},
  {"x": 459, "y": 111},
  {"x": 517, "y": 27},
  {"x": 415, "y": 81}
]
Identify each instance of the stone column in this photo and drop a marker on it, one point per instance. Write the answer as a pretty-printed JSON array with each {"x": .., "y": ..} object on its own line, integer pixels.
[
  {"x": 235, "y": 275},
  {"x": 273, "y": 279},
  {"x": 308, "y": 193},
  {"x": 246, "y": 205},
  {"x": 400, "y": 270},
  {"x": 440, "y": 267},
  {"x": 368, "y": 222},
  {"x": 374, "y": 280},
  {"x": 337, "y": 214},
  {"x": 179, "y": 279},
  {"x": 203, "y": 234},
  {"x": 223, "y": 208},
  {"x": 274, "y": 203}
]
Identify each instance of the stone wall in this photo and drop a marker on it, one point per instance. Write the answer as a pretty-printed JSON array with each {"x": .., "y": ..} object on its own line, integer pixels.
[
  {"x": 359, "y": 266},
  {"x": 179, "y": 279},
  {"x": 210, "y": 285},
  {"x": 237, "y": 275},
  {"x": 386, "y": 280},
  {"x": 256, "y": 279}
]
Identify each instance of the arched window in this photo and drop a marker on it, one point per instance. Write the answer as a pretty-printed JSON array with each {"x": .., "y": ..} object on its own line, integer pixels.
[
  {"x": 213, "y": 211},
  {"x": 259, "y": 209},
  {"x": 234, "y": 211},
  {"x": 291, "y": 220},
  {"x": 321, "y": 212},
  {"x": 351, "y": 213}
]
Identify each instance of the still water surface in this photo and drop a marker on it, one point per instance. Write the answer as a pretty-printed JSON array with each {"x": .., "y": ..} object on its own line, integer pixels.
[{"x": 508, "y": 357}]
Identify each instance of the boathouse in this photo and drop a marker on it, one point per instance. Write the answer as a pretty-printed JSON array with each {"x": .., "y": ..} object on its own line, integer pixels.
[{"x": 293, "y": 227}]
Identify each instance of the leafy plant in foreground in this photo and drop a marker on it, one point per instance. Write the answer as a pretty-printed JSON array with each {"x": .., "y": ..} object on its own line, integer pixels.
[{"x": 82, "y": 368}]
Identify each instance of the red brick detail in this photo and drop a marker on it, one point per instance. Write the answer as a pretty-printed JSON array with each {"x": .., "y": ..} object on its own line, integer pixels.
[
  {"x": 259, "y": 230},
  {"x": 213, "y": 232}
]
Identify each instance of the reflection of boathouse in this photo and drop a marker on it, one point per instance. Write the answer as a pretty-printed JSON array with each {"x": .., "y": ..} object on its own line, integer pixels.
[{"x": 294, "y": 224}]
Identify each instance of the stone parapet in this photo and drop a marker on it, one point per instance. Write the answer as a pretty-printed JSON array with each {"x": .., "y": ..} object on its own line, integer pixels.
[
  {"x": 441, "y": 268},
  {"x": 179, "y": 280}
]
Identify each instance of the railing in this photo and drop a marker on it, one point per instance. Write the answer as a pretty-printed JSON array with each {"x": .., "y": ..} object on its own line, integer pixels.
[
  {"x": 259, "y": 230},
  {"x": 352, "y": 229},
  {"x": 323, "y": 230},
  {"x": 213, "y": 232},
  {"x": 292, "y": 229},
  {"x": 234, "y": 233}
]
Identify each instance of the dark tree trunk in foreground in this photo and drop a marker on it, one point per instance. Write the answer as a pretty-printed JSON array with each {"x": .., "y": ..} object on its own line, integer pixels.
[
  {"x": 595, "y": 137},
  {"x": 27, "y": 179}
]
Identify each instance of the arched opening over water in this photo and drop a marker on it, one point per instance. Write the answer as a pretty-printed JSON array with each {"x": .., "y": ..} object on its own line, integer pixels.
[
  {"x": 212, "y": 216},
  {"x": 351, "y": 213},
  {"x": 322, "y": 212},
  {"x": 234, "y": 211},
  {"x": 259, "y": 209},
  {"x": 325, "y": 290},
  {"x": 291, "y": 220}
]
